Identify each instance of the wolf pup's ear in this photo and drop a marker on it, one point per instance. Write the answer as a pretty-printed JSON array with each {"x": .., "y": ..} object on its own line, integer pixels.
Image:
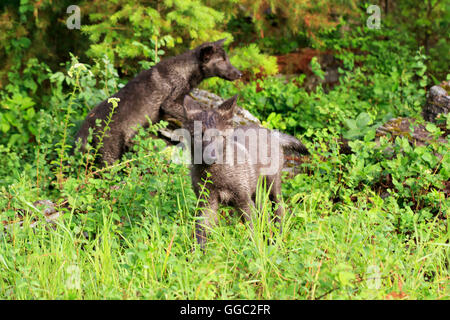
[
  {"x": 206, "y": 53},
  {"x": 189, "y": 107},
  {"x": 219, "y": 43},
  {"x": 228, "y": 107}
]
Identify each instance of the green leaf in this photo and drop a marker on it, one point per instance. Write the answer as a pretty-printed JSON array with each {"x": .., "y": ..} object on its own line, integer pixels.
[
  {"x": 5, "y": 126},
  {"x": 345, "y": 278},
  {"x": 363, "y": 120},
  {"x": 428, "y": 158},
  {"x": 432, "y": 128},
  {"x": 351, "y": 124},
  {"x": 29, "y": 114}
]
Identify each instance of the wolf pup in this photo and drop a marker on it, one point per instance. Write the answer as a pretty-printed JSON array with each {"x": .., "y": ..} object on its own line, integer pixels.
[
  {"x": 235, "y": 158},
  {"x": 152, "y": 93}
]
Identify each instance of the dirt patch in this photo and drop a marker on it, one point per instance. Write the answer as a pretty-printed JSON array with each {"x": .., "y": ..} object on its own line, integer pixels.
[
  {"x": 297, "y": 62},
  {"x": 300, "y": 63}
]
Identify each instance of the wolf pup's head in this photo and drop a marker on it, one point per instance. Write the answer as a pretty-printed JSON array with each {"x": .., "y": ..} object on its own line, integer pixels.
[
  {"x": 207, "y": 128},
  {"x": 214, "y": 61}
]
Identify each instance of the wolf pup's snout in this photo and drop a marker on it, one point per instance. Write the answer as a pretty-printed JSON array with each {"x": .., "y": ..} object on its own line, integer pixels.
[
  {"x": 231, "y": 73},
  {"x": 235, "y": 74}
]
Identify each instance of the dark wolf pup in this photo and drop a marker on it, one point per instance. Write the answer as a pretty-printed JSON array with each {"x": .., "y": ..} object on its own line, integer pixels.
[
  {"x": 235, "y": 158},
  {"x": 154, "y": 92}
]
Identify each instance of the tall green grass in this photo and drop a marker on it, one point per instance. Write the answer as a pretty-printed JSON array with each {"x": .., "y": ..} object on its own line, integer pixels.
[{"x": 352, "y": 253}]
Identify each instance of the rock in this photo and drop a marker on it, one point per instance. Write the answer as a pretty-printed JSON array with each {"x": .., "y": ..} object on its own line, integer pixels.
[
  {"x": 416, "y": 133},
  {"x": 438, "y": 101},
  {"x": 46, "y": 207}
]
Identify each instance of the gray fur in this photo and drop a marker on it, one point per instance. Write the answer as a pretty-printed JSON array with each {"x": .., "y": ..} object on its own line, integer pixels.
[
  {"x": 153, "y": 93},
  {"x": 234, "y": 184}
]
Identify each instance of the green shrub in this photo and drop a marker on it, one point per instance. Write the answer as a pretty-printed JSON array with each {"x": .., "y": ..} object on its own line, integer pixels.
[{"x": 251, "y": 61}]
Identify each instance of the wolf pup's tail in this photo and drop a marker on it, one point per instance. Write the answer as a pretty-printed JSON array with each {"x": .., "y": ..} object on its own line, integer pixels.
[{"x": 290, "y": 143}]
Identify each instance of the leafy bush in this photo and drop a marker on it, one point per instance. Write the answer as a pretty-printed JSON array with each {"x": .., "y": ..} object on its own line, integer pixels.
[
  {"x": 19, "y": 104},
  {"x": 250, "y": 60}
]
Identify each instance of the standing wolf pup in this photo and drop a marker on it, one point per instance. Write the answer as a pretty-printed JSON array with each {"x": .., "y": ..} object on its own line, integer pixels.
[
  {"x": 235, "y": 158},
  {"x": 152, "y": 92}
]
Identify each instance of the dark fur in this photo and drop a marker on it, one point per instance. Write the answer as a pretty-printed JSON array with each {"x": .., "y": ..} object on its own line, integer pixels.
[
  {"x": 154, "y": 92},
  {"x": 233, "y": 184}
]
